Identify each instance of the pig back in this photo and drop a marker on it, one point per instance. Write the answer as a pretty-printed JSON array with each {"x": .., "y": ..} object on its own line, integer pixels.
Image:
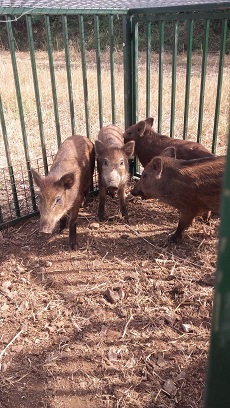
[
  {"x": 193, "y": 183},
  {"x": 76, "y": 154},
  {"x": 111, "y": 135}
]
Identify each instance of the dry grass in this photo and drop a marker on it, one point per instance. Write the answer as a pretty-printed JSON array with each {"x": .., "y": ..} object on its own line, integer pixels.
[
  {"x": 29, "y": 104},
  {"x": 76, "y": 349}
]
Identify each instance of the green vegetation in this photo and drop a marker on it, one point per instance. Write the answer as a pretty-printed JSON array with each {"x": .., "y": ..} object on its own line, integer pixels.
[{"x": 40, "y": 40}]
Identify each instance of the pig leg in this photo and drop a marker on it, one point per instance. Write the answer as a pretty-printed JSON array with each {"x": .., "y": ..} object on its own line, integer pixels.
[
  {"x": 63, "y": 223},
  {"x": 123, "y": 206},
  {"x": 184, "y": 222},
  {"x": 101, "y": 207},
  {"x": 73, "y": 224}
]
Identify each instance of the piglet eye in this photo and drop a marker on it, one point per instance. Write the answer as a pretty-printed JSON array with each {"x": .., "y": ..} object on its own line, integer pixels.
[
  {"x": 105, "y": 162},
  {"x": 121, "y": 162},
  {"x": 58, "y": 201},
  {"x": 144, "y": 175}
]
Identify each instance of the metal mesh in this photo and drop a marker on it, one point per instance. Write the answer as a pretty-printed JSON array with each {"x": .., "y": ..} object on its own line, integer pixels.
[{"x": 107, "y": 4}]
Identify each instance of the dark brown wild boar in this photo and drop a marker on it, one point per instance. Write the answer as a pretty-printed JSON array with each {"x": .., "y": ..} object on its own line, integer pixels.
[
  {"x": 191, "y": 186},
  {"x": 66, "y": 186},
  {"x": 112, "y": 162},
  {"x": 149, "y": 143}
]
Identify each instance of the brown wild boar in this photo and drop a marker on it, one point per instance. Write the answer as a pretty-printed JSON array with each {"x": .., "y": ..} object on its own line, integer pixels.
[
  {"x": 149, "y": 143},
  {"x": 66, "y": 186},
  {"x": 191, "y": 186},
  {"x": 112, "y": 163}
]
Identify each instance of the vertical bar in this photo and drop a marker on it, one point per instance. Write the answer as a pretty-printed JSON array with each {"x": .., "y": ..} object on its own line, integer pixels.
[
  {"x": 98, "y": 57},
  {"x": 8, "y": 157},
  {"x": 135, "y": 89},
  {"x": 128, "y": 70},
  {"x": 36, "y": 90},
  {"x": 111, "y": 43},
  {"x": 217, "y": 381},
  {"x": 20, "y": 108},
  {"x": 148, "y": 59},
  {"x": 219, "y": 84},
  {"x": 68, "y": 71},
  {"x": 128, "y": 79},
  {"x": 203, "y": 75},
  {"x": 188, "y": 76},
  {"x": 173, "y": 95},
  {"x": 52, "y": 75},
  {"x": 160, "y": 86},
  {"x": 83, "y": 60}
]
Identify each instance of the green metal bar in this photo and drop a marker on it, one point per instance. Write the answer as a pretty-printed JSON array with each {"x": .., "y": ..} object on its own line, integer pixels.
[
  {"x": 59, "y": 11},
  {"x": 128, "y": 80},
  {"x": 195, "y": 15},
  {"x": 98, "y": 57},
  {"x": 68, "y": 71},
  {"x": 8, "y": 158},
  {"x": 135, "y": 89},
  {"x": 203, "y": 76},
  {"x": 135, "y": 86},
  {"x": 20, "y": 107},
  {"x": 36, "y": 90},
  {"x": 11, "y": 223},
  {"x": 160, "y": 85},
  {"x": 85, "y": 86},
  {"x": 148, "y": 60},
  {"x": 111, "y": 44},
  {"x": 219, "y": 84},
  {"x": 52, "y": 75},
  {"x": 128, "y": 71},
  {"x": 173, "y": 95},
  {"x": 188, "y": 76},
  {"x": 196, "y": 8},
  {"x": 217, "y": 381}
]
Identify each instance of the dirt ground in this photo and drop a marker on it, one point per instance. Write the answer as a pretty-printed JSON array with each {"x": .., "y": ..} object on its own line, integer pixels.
[{"x": 124, "y": 321}]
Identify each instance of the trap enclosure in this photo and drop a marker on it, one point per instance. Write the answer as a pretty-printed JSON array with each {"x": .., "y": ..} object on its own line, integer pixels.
[{"x": 71, "y": 67}]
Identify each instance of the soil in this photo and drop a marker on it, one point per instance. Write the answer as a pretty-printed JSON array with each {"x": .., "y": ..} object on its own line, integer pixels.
[{"x": 123, "y": 321}]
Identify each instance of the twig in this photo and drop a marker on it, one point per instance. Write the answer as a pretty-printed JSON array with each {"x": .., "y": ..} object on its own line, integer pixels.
[
  {"x": 5, "y": 294},
  {"x": 127, "y": 323},
  {"x": 11, "y": 341}
]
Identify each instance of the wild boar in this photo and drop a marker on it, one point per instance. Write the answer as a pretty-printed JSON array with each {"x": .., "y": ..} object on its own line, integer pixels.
[
  {"x": 112, "y": 163},
  {"x": 66, "y": 186},
  {"x": 149, "y": 143},
  {"x": 191, "y": 186}
]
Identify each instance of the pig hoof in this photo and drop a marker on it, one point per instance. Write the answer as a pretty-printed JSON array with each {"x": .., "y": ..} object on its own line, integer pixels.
[
  {"x": 174, "y": 238},
  {"x": 72, "y": 246},
  {"x": 206, "y": 216},
  {"x": 100, "y": 218}
]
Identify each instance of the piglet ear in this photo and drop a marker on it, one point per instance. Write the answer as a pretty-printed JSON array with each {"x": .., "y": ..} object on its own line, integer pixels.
[
  {"x": 169, "y": 152},
  {"x": 141, "y": 127},
  {"x": 66, "y": 181},
  {"x": 37, "y": 178},
  {"x": 99, "y": 148},
  {"x": 157, "y": 166},
  {"x": 149, "y": 121},
  {"x": 128, "y": 148}
]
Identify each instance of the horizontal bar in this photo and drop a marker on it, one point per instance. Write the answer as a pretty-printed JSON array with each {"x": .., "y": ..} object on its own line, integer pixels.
[
  {"x": 51, "y": 11},
  {"x": 224, "y": 5},
  {"x": 15, "y": 221},
  {"x": 210, "y": 15}
]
